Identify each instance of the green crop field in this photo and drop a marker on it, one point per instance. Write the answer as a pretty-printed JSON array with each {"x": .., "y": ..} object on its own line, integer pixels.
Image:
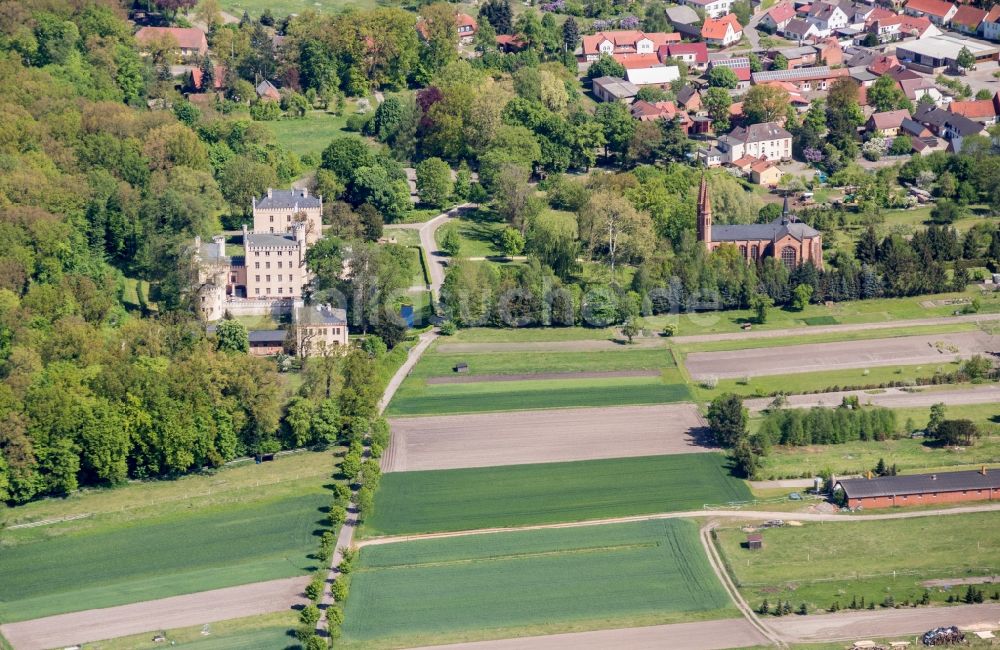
[
  {"x": 166, "y": 538},
  {"x": 819, "y": 563},
  {"x": 530, "y": 335},
  {"x": 418, "y": 398},
  {"x": 436, "y": 364},
  {"x": 520, "y": 495},
  {"x": 531, "y": 582}
]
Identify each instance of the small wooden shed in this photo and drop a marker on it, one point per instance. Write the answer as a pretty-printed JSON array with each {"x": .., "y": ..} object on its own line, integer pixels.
[
  {"x": 462, "y": 366},
  {"x": 755, "y": 541}
]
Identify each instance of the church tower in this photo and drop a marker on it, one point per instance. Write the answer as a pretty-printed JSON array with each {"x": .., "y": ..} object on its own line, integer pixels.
[{"x": 704, "y": 214}]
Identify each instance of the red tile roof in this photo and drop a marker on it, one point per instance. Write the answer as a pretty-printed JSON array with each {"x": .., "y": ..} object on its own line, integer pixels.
[
  {"x": 994, "y": 15},
  {"x": 883, "y": 64},
  {"x": 977, "y": 109},
  {"x": 938, "y": 8},
  {"x": 716, "y": 28},
  {"x": 699, "y": 50},
  {"x": 218, "y": 78},
  {"x": 969, "y": 17},
  {"x": 188, "y": 38},
  {"x": 634, "y": 61},
  {"x": 781, "y": 13},
  {"x": 889, "y": 119}
]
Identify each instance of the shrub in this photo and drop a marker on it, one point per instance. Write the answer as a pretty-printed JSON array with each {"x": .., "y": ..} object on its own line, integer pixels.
[
  {"x": 448, "y": 328},
  {"x": 314, "y": 590},
  {"x": 309, "y": 615},
  {"x": 340, "y": 589}
]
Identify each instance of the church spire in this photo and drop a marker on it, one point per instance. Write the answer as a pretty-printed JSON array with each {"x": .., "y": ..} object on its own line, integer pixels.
[{"x": 704, "y": 213}]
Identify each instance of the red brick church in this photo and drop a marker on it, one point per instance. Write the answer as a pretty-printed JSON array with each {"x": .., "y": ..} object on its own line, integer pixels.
[{"x": 786, "y": 238}]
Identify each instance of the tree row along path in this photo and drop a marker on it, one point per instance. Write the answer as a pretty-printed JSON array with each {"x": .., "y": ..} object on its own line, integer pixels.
[
  {"x": 198, "y": 608},
  {"x": 833, "y": 329}
]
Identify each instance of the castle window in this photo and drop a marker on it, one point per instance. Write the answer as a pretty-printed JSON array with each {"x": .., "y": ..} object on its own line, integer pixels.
[
  {"x": 272, "y": 220},
  {"x": 788, "y": 256},
  {"x": 269, "y": 291},
  {"x": 279, "y": 289},
  {"x": 257, "y": 278},
  {"x": 256, "y": 265},
  {"x": 257, "y": 291}
]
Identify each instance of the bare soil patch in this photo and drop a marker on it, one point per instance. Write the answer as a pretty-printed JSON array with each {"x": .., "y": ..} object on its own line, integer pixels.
[
  {"x": 492, "y": 439},
  {"x": 815, "y": 357},
  {"x": 472, "y": 379},
  {"x": 954, "y": 582}
]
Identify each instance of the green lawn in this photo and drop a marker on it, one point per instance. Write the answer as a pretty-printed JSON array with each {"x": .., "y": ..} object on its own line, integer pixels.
[
  {"x": 478, "y": 235},
  {"x": 804, "y": 337},
  {"x": 153, "y": 540},
  {"x": 530, "y": 582},
  {"x": 435, "y": 364},
  {"x": 856, "y": 311},
  {"x": 264, "y": 632},
  {"x": 285, "y": 7},
  {"x": 819, "y": 563},
  {"x": 311, "y": 134},
  {"x": 529, "y": 335},
  {"x": 520, "y": 495},
  {"x": 415, "y": 397}
]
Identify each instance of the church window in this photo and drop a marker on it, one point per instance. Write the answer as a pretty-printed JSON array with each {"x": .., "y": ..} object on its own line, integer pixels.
[
  {"x": 788, "y": 256},
  {"x": 754, "y": 252}
]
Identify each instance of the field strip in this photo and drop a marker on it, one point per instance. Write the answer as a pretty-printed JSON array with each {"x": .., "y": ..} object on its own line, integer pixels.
[
  {"x": 177, "y": 611},
  {"x": 506, "y": 557},
  {"x": 702, "y": 635},
  {"x": 48, "y": 522},
  {"x": 526, "y": 437},
  {"x": 583, "y": 374},
  {"x": 889, "y": 398},
  {"x": 934, "y": 349},
  {"x": 831, "y": 329},
  {"x": 587, "y": 345},
  {"x": 689, "y": 514}
]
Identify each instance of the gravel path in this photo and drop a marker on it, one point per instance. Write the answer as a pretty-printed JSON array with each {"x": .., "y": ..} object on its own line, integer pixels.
[
  {"x": 890, "y": 398},
  {"x": 703, "y": 635},
  {"x": 935, "y": 349},
  {"x": 846, "y": 626},
  {"x": 588, "y": 345},
  {"x": 491, "y": 439},
  {"x": 178, "y": 611}
]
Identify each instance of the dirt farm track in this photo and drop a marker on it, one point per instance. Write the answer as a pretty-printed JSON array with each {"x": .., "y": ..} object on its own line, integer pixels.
[
  {"x": 491, "y": 439},
  {"x": 814, "y": 357}
]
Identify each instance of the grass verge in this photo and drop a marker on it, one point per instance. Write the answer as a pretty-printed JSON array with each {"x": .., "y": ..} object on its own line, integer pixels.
[{"x": 264, "y": 632}]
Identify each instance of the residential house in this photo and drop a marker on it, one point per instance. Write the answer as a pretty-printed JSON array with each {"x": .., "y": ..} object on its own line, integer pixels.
[
  {"x": 613, "y": 89},
  {"x": 614, "y": 43},
  {"x": 738, "y": 64},
  {"x": 777, "y": 17},
  {"x": 268, "y": 92},
  {"x": 660, "y": 75},
  {"x": 722, "y": 32},
  {"x": 191, "y": 41},
  {"x": 968, "y": 19},
  {"x": 649, "y": 112},
  {"x": 800, "y": 30},
  {"x": 805, "y": 79},
  {"x": 830, "y": 53},
  {"x": 986, "y": 111},
  {"x": 195, "y": 81},
  {"x": 765, "y": 172},
  {"x": 710, "y": 157},
  {"x": 695, "y": 55},
  {"x": 797, "y": 57},
  {"x": 509, "y": 43},
  {"x": 742, "y": 165},
  {"x": 958, "y": 127},
  {"x": 829, "y": 16},
  {"x": 938, "y": 12},
  {"x": 689, "y": 99},
  {"x": 769, "y": 140},
  {"x": 886, "y": 124},
  {"x": 712, "y": 8},
  {"x": 991, "y": 24},
  {"x": 465, "y": 25},
  {"x": 795, "y": 97},
  {"x": 319, "y": 329}
]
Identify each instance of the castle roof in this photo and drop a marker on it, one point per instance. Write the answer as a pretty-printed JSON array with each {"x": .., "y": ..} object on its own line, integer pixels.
[
  {"x": 320, "y": 315},
  {"x": 287, "y": 200},
  {"x": 269, "y": 240}
]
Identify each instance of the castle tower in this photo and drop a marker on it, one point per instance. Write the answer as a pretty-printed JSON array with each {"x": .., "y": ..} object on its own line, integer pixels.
[{"x": 704, "y": 214}]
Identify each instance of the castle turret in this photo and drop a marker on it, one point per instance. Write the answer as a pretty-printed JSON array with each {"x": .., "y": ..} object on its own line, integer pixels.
[{"x": 704, "y": 214}]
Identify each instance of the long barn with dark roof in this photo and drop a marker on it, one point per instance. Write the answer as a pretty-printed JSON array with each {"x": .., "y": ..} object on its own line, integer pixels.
[{"x": 921, "y": 489}]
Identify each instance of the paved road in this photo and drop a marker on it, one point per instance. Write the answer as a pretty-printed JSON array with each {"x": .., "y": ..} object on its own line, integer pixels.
[
  {"x": 436, "y": 259},
  {"x": 833, "y": 329},
  {"x": 890, "y": 398},
  {"x": 703, "y": 635},
  {"x": 179, "y": 611}
]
